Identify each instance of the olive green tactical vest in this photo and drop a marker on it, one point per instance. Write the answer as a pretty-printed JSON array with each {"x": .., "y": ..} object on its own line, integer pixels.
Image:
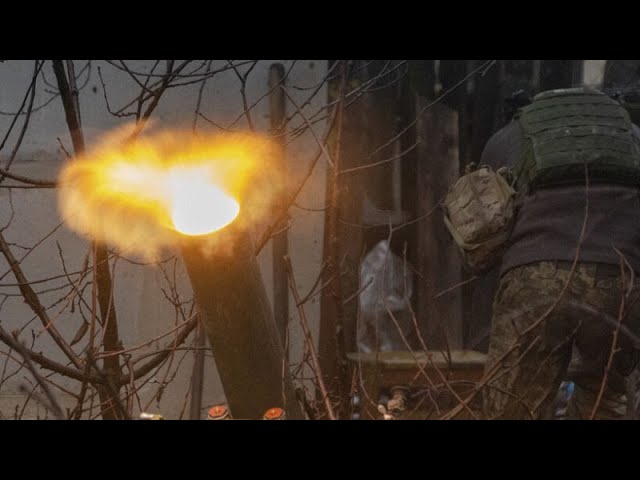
[{"x": 572, "y": 133}]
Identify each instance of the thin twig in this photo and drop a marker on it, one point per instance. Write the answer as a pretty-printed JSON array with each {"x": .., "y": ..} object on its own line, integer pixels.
[
  {"x": 307, "y": 333},
  {"x": 53, "y": 402}
]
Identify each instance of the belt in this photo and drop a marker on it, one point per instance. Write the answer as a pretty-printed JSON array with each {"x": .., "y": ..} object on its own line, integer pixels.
[{"x": 602, "y": 270}]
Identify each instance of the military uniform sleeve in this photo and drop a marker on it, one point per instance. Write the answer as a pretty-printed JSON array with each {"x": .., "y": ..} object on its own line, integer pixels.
[{"x": 503, "y": 148}]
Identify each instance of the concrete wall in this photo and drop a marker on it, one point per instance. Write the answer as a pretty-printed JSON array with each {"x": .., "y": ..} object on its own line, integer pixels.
[{"x": 143, "y": 311}]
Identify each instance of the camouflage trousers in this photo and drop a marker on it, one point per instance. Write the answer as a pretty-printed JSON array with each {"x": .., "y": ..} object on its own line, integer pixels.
[{"x": 541, "y": 313}]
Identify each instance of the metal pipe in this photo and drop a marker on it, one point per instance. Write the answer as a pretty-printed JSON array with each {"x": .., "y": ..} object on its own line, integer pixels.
[{"x": 238, "y": 320}]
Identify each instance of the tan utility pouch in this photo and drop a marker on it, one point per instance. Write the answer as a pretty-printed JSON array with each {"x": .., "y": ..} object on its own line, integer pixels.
[{"x": 479, "y": 213}]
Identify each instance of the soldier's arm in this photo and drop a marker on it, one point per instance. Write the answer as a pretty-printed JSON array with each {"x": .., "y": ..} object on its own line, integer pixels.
[{"x": 503, "y": 148}]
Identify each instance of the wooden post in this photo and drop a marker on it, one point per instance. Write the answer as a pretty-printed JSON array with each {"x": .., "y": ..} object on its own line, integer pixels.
[
  {"x": 234, "y": 308},
  {"x": 439, "y": 262},
  {"x": 342, "y": 246},
  {"x": 280, "y": 240},
  {"x": 382, "y": 107},
  {"x": 464, "y": 101},
  {"x": 407, "y": 107}
]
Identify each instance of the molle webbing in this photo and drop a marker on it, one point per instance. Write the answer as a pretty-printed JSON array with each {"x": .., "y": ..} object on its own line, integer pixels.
[{"x": 574, "y": 131}]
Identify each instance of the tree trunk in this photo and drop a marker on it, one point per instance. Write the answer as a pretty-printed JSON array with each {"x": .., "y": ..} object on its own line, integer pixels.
[{"x": 111, "y": 364}]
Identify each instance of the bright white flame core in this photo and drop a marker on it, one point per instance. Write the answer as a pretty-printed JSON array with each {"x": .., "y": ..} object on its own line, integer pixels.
[{"x": 197, "y": 206}]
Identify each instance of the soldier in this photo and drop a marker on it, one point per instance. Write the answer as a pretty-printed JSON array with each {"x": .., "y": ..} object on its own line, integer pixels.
[{"x": 569, "y": 276}]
